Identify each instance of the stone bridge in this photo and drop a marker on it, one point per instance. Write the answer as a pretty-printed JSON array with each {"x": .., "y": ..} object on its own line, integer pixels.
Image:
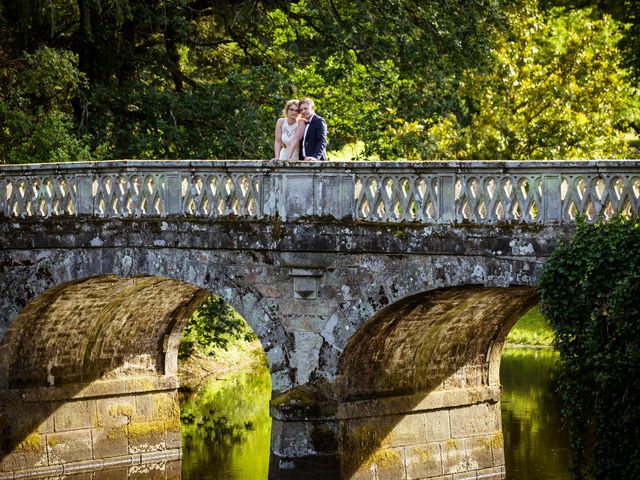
[{"x": 381, "y": 292}]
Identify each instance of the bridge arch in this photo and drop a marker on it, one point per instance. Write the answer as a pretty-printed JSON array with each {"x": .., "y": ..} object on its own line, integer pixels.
[
  {"x": 88, "y": 366},
  {"x": 418, "y": 384},
  {"x": 45, "y": 280}
]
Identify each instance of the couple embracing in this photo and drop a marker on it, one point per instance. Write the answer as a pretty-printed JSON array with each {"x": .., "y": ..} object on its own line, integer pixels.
[{"x": 300, "y": 134}]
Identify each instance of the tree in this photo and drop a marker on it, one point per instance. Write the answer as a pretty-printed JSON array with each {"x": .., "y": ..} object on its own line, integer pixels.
[
  {"x": 36, "y": 122},
  {"x": 589, "y": 291},
  {"x": 153, "y": 66},
  {"x": 627, "y": 12},
  {"x": 559, "y": 91},
  {"x": 211, "y": 327}
]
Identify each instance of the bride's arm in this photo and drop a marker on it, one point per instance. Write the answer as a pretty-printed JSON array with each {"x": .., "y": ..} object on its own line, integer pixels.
[{"x": 277, "y": 144}]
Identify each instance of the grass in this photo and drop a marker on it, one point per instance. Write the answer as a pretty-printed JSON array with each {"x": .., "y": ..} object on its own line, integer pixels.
[{"x": 531, "y": 330}]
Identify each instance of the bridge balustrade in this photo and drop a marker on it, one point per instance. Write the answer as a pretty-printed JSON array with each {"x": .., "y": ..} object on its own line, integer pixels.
[{"x": 434, "y": 192}]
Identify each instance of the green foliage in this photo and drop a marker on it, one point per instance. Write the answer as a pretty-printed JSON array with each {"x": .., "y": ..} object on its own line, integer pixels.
[
  {"x": 36, "y": 121},
  {"x": 532, "y": 329},
  {"x": 408, "y": 79},
  {"x": 627, "y": 12},
  {"x": 589, "y": 291},
  {"x": 558, "y": 91},
  {"x": 212, "y": 326}
]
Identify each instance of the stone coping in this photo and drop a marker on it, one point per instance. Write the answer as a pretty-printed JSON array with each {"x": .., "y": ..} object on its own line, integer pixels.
[
  {"x": 311, "y": 166},
  {"x": 403, "y": 404},
  {"x": 98, "y": 388},
  {"x": 90, "y": 465}
]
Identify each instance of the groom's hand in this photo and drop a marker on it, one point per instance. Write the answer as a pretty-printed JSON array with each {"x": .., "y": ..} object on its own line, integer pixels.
[{"x": 310, "y": 159}]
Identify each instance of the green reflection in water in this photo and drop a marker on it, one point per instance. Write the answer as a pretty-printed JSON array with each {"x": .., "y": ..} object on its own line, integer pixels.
[
  {"x": 536, "y": 446},
  {"x": 226, "y": 429}
]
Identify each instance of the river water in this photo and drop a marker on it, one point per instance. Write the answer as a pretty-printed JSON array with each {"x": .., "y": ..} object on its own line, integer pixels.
[{"x": 226, "y": 426}]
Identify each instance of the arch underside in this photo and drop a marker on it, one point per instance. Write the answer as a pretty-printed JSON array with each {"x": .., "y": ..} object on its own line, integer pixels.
[
  {"x": 442, "y": 339},
  {"x": 97, "y": 328},
  {"x": 418, "y": 386}
]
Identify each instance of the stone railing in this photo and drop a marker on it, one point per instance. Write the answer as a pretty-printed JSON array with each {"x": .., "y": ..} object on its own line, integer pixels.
[{"x": 434, "y": 192}]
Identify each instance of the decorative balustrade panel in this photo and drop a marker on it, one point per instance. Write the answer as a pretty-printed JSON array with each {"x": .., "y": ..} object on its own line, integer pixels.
[
  {"x": 397, "y": 198},
  {"x": 127, "y": 195},
  {"x": 606, "y": 195},
  {"x": 39, "y": 195},
  {"x": 221, "y": 194},
  {"x": 499, "y": 198},
  {"x": 474, "y": 192}
]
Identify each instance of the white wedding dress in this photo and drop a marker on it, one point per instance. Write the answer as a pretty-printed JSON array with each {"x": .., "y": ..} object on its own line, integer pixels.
[{"x": 287, "y": 134}]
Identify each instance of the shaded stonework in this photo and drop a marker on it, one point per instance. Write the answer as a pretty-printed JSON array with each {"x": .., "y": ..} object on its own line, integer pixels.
[{"x": 383, "y": 330}]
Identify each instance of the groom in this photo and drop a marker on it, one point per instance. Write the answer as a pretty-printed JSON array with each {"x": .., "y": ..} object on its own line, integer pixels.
[{"x": 313, "y": 146}]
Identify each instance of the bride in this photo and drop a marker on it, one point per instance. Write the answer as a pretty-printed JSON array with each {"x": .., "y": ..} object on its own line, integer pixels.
[{"x": 289, "y": 130}]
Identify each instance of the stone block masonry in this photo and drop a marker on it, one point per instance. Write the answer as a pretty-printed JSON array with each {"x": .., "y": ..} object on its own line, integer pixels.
[
  {"x": 381, "y": 292},
  {"x": 84, "y": 426}
]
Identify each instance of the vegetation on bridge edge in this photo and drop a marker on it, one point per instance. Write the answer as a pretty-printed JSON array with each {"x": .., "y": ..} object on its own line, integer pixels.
[{"x": 589, "y": 291}]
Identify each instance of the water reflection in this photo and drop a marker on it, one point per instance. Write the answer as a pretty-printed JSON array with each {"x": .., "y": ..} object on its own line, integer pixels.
[
  {"x": 226, "y": 429},
  {"x": 536, "y": 447}
]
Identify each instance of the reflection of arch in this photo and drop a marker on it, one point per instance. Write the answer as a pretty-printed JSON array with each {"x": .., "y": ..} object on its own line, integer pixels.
[{"x": 428, "y": 363}]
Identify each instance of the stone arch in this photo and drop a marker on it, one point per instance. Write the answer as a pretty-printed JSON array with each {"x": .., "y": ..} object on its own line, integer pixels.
[
  {"x": 413, "y": 345},
  {"x": 210, "y": 271},
  {"x": 101, "y": 327},
  {"x": 87, "y": 366},
  {"x": 423, "y": 372}
]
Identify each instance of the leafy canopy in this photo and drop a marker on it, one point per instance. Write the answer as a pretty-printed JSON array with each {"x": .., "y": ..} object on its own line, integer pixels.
[{"x": 406, "y": 78}]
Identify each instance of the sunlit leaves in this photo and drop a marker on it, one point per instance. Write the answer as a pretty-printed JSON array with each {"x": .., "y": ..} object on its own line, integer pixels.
[
  {"x": 35, "y": 107},
  {"x": 557, "y": 92}
]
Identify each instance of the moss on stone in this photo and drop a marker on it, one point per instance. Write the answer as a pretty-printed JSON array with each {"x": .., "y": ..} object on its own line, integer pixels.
[
  {"x": 496, "y": 440},
  {"x": 143, "y": 429},
  {"x": 121, "y": 410},
  {"x": 166, "y": 408},
  {"x": 312, "y": 400},
  {"x": 423, "y": 454},
  {"x": 116, "y": 433},
  {"x": 382, "y": 458},
  {"x": 53, "y": 441},
  {"x": 33, "y": 442}
]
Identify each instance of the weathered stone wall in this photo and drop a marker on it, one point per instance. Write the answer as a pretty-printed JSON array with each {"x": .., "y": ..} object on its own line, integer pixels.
[
  {"x": 103, "y": 424},
  {"x": 305, "y": 305},
  {"x": 305, "y": 289},
  {"x": 381, "y": 294}
]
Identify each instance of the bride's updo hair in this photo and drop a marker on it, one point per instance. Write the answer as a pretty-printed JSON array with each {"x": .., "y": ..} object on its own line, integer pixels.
[{"x": 289, "y": 104}]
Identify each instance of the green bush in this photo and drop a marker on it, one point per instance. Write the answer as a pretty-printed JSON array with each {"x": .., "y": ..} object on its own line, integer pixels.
[
  {"x": 212, "y": 326},
  {"x": 590, "y": 292}
]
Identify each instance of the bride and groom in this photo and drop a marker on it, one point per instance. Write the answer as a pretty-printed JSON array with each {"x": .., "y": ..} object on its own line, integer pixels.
[{"x": 301, "y": 134}]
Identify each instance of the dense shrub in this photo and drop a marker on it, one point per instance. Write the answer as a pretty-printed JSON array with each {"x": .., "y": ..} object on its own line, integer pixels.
[{"x": 590, "y": 292}]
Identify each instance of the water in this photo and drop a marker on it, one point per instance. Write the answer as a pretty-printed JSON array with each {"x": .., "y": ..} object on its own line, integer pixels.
[
  {"x": 226, "y": 428},
  {"x": 536, "y": 447}
]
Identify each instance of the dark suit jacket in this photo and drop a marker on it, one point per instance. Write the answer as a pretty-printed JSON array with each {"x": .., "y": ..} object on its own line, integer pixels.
[{"x": 315, "y": 142}]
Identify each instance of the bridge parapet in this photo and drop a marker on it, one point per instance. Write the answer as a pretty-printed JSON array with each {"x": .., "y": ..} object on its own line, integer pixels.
[{"x": 430, "y": 193}]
